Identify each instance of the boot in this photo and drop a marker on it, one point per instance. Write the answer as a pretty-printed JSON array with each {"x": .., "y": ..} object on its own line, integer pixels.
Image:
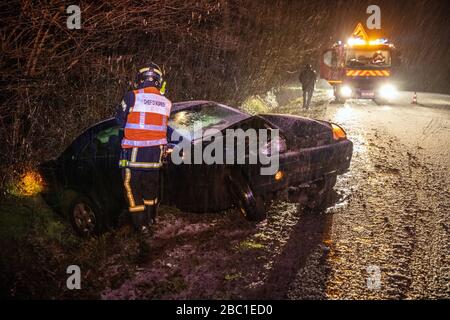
[
  {"x": 138, "y": 221},
  {"x": 151, "y": 215}
]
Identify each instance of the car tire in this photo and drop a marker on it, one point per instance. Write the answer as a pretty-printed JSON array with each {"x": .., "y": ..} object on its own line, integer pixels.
[
  {"x": 250, "y": 205},
  {"x": 320, "y": 201},
  {"x": 85, "y": 217}
]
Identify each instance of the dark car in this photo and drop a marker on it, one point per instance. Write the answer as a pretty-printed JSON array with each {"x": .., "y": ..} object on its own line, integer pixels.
[{"x": 85, "y": 183}]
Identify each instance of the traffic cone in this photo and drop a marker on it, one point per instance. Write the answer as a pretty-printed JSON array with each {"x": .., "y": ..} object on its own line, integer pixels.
[{"x": 414, "y": 100}]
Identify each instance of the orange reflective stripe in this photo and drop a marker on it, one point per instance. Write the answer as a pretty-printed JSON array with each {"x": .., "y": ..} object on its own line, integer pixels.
[
  {"x": 144, "y": 134},
  {"x": 136, "y": 208},
  {"x": 147, "y": 90},
  {"x": 149, "y": 118},
  {"x": 151, "y": 202},
  {"x": 371, "y": 73},
  {"x": 127, "y": 186}
]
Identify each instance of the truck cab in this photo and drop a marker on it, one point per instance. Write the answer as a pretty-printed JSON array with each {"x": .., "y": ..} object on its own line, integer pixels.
[{"x": 360, "y": 68}]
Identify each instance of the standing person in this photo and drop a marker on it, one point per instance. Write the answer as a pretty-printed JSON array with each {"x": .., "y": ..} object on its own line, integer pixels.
[
  {"x": 144, "y": 114},
  {"x": 308, "y": 80}
]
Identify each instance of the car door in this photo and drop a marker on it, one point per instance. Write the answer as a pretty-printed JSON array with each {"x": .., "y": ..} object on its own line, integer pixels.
[
  {"x": 98, "y": 168},
  {"x": 108, "y": 178}
]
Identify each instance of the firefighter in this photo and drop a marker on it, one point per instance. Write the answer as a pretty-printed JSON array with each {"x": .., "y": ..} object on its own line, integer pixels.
[
  {"x": 144, "y": 114},
  {"x": 308, "y": 80}
]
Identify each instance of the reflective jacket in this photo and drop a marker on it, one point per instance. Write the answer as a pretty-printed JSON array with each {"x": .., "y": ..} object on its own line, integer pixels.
[{"x": 146, "y": 120}]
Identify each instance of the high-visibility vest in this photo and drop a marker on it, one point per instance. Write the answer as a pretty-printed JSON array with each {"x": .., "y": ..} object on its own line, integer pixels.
[{"x": 147, "y": 120}]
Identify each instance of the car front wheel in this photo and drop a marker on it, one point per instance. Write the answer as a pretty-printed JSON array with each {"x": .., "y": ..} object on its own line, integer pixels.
[
  {"x": 250, "y": 205},
  {"x": 322, "y": 196}
]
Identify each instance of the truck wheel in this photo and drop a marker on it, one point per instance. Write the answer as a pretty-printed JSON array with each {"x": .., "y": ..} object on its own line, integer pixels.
[
  {"x": 85, "y": 217},
  {"x": 251, "y": 206},
  {"x": 337, "y": 97},
  {"x": 381, "y": 101}
]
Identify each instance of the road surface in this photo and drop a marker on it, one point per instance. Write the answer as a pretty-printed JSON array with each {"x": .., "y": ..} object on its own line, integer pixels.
[{"x": 386, "y": 237}]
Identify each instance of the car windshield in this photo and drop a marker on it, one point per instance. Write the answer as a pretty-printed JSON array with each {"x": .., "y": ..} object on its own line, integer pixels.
[
  {"x": 368, "y": 58},
  {"x": 203, "y": 117}
]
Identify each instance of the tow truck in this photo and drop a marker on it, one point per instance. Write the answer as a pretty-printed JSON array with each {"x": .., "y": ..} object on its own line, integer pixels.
[{"x": 361, "y": 68}]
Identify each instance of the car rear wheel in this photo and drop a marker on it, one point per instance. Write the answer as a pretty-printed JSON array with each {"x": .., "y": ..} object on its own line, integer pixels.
[
  {"x": 250, "y": 205},
  {"x": 84, "y": 217}
]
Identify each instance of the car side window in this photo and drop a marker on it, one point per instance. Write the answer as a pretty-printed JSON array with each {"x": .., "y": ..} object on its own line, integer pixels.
[{"x": 105, "y": 143}]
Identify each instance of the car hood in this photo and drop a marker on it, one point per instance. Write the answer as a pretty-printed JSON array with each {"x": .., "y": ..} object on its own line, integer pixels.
[{"x": 300, "y": 131}]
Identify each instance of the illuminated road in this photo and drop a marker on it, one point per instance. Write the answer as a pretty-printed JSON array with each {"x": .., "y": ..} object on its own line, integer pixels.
[
  {"x": 395, "y": 214},
  {"x": 387, "y": 236}
]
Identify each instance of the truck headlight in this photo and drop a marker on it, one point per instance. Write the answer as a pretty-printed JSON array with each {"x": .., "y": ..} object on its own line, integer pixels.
[
  {"x": 387, "y": 91},
  {"x": 346, "y": 91}
]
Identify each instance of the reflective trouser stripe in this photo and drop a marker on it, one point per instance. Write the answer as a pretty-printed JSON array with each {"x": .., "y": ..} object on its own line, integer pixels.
[
  {"x": 133, "y": 164},
  {"x": 143, "y": 143},
  {"x": 136, "y": 208},
  {"x": 150, "y": 165},
  {"x": 151, "y": 202},
  {"x": 134, "y": 154},
  {"x": 128, "y": 188},
  {"x": 144, "y": 165}
]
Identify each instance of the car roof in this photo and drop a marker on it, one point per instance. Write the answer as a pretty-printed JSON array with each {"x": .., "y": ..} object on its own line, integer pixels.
[
  {"x": 177, "y": 106},
  {"x": 79, "y": 141}
]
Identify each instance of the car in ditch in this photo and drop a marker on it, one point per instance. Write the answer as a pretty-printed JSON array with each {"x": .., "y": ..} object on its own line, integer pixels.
[{"x": 84, "y": 183}]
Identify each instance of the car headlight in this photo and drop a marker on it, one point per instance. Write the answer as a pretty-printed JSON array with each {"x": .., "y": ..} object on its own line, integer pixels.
[
  {"x": 279, "y": 143},
  {"x": 338, "y": 132},
  {"x": 346, "y": 91},
  {"x": 387, "y": 91}
]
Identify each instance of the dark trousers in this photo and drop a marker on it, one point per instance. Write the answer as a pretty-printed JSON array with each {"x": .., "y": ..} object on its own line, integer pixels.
[
  {"x": 307, "y": 95},
  {"x": 143, "y": 195}
]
